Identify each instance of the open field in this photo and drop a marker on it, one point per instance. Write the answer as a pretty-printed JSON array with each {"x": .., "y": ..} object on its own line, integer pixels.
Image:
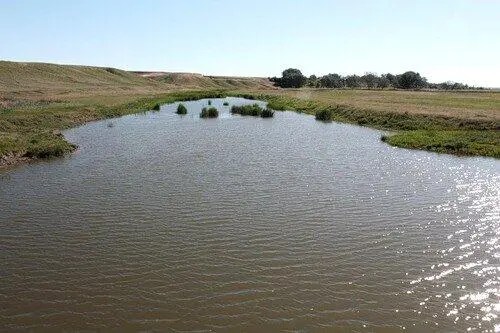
[
  {"x": 39, "y": 100},
  {"x": 477, "y": 105}
]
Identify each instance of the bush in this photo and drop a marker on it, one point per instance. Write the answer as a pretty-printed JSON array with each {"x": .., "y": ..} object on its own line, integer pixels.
[
  {"x": 209, "y": 113},
  {"x": 156, "y": 107},
  {"x": 181, "y": 109},
  {"x": 325, "y": 115}
]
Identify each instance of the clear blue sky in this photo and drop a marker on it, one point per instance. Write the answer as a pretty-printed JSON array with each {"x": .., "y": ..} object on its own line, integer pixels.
[{"x": 442, "y": 39}]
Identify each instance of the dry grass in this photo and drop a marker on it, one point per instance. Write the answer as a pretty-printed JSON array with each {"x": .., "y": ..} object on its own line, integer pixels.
[{"x": 478, "y": 105}]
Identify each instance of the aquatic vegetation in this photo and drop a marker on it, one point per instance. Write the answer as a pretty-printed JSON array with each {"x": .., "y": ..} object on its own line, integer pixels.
[
  {"x": 252, "y": 110},
  {"x": 211, "y": 112},
  {"x": 225, "y": 103},
  {"x": 156, "y": 107},
  {"x": 181, "y": 109},
  {"x": 267, "y": 113}
]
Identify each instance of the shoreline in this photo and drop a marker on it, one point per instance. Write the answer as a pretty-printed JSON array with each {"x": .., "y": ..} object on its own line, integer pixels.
[{"x": 451, "y": 135}]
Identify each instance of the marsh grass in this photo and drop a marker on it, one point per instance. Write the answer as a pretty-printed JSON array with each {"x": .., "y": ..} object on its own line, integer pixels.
[
  {"x": 210, "y": 112},
  {"x": 267, "y": 113},
  {"x": 252, "y": 110},
  {"x": 181, "y": 109},
  {"x": 484, "y": 143}
]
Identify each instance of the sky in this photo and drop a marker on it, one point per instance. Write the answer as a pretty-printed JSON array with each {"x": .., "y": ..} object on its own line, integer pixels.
[{"x": 456, "y": 40}]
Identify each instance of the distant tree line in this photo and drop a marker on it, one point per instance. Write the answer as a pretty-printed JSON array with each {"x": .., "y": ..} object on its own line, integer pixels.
[{"x": 293, "y": 78}]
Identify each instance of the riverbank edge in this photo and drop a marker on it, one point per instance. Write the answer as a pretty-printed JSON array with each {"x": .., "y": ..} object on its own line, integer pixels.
[
  {"x": 44, "y": 143},
  {"x": 434, "y": 133}
]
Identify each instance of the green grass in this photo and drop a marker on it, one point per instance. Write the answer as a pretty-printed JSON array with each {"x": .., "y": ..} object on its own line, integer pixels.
[
  {"x": 325, "y": 115},
  {"x": 484, "y": 143},
  {"x": 252, "y": 110},
  {"x": 210, "y": 112},
  {"x": 181, "y": 109}
]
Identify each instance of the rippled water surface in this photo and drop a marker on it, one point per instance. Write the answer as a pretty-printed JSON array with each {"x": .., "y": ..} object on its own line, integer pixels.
[{"x": 175, "y": 223}]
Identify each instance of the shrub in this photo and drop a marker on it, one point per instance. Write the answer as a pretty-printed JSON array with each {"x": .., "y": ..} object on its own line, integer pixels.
[
  {"x": 209, "y": 113},
  {"x": 325, "y": 115},
  {"x": 181, "y": 109}
]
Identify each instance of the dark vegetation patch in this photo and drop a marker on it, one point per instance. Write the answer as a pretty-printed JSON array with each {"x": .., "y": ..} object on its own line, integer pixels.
[
  {"x": 252, "y": 110},
  {"x": 181, "y": 109},
  {"x": 210, "y": 112}
]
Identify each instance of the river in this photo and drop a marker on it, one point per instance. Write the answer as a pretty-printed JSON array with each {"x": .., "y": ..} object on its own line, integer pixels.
[{"x": 162, "y": 222}]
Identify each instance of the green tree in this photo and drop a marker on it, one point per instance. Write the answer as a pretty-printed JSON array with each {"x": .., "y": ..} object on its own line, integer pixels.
[
  {"x": 353, "y": 81},
  {"x": 411, "y": 80},
  {"x": 292, "y": 78},
  {"x": 332, "y": 81}
]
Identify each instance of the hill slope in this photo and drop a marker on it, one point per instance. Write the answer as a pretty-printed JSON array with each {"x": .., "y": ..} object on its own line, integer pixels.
[
  {"x": 42, "y": 80},
  {"x": 198, "y": 81}
]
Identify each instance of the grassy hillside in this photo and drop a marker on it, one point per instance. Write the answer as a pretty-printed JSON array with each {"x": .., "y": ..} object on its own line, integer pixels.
[
  {"x": 198, "y": 81},
  {"x": 35, "y": 81}
]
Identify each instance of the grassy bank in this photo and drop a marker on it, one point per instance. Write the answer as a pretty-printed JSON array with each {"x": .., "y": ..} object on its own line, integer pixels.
[
  {"x": 34, "y": 131},
  {"x": 31, "y": 128},
  {"x": 434, "y": 132}
]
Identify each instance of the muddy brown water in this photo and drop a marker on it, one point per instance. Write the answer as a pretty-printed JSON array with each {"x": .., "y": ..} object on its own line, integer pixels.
[{"x": 173, "y": 223}]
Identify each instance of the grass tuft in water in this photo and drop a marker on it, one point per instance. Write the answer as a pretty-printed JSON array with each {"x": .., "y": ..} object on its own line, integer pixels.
[
  {"x": 267, "y": 113},
  {"x": 211, "y": 112},
  {"x": 181, "y": 109},
  {"x": 252, "y": 110}
]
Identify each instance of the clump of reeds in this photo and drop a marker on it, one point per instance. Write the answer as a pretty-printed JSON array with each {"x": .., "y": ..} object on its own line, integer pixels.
[
  {"x": 181, "y": 109},
  {"x": 252, "y": 110},
  {"x": 211, "y": 112}
]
